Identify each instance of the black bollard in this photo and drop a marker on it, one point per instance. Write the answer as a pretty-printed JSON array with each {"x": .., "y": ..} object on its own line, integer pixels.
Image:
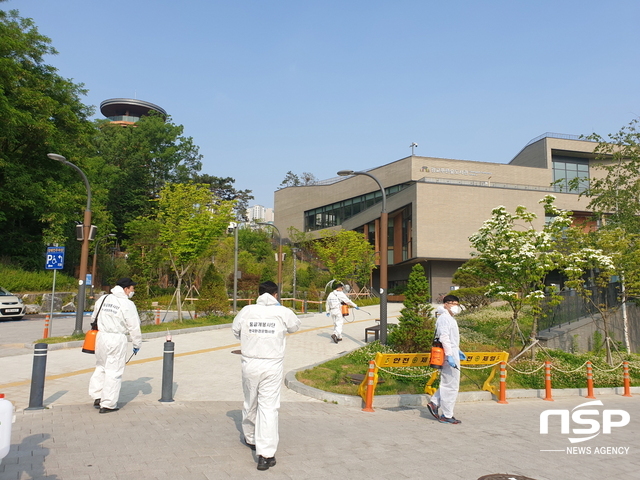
[
  {"x": 37, "y": 376},
  {"x": 167, "y": 372}
]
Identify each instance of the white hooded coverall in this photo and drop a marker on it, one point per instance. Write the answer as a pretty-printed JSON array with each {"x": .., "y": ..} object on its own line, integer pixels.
[
  {"x": 118, "y": 316},
  {"x": 261, "y": 329},
  {"x": 333, "y": 306},
  {"x": 446, "y": 395}
]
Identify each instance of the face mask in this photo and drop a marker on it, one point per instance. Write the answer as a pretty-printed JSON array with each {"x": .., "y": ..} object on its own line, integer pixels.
[
  {"x": 131, "y": 294},
  {"x": 455, "y": 309}
]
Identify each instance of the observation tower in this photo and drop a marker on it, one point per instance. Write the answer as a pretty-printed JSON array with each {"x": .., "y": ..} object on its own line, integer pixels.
[{"x": 127, "y": 111}]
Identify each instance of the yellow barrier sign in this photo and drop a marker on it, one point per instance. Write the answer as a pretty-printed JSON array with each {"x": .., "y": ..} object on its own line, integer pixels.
[
  {"x": 485, "y": 358},
  {"x": 396, "y": 360}
]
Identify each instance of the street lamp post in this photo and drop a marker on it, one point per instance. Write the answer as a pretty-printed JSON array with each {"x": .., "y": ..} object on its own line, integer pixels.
[
  {"x": 95, "y": 260},
  {"x": 279, "y": 255},
  {"x": 234, "y": 225},
  {"x": 294, "y": 251},
  {"x": 383, "y": 253},
  {"x": 84, "y": 253}
]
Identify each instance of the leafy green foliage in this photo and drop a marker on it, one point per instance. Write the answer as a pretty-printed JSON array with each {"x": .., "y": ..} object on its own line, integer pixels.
[
  {"x": 473, "y": 297},
  {"x": 614, "y": 191},
  {"x": 347, "y": 254},
  {"x": 213, "y": 298},
  {"x": 222, "y": 188},
  {"x": 414, "y": 332},
  {"x": 17, "y": 280},
  {"x": 41, "y": 113},
  {"x": 188, "y": 221},
  {"x": 136, "y": 163},
  {"x": 568, "y": 371}
]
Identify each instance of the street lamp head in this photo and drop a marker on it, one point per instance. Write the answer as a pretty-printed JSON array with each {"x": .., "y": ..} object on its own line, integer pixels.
[
  {"x": 55, "y": 156},
  {"x": 345, "y": 173}
]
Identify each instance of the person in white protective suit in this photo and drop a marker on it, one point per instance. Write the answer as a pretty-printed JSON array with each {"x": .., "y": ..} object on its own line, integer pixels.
[
  {"x": 116, "y": 316},
  {"x": 261, "y": 329},
  {"x": 448, "y": 334},
  {"x": 333, "y": 306}
]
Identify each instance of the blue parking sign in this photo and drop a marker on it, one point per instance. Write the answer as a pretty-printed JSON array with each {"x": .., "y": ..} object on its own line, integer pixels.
[{"x": 55, "y": 258}]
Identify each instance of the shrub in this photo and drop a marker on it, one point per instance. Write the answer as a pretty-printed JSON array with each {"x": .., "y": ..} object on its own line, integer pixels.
[
  {"x": 213, "y": 295},
  {"x": 473, "y": 297},
  {"x": 21, "y": 281},
  {"x": 414, "y": 332}
]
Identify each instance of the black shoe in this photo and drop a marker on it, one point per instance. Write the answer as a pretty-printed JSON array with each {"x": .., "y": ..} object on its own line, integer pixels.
[
  {"x": 452, "y": 420},
  {"x": 96, "y": 403},
  {"x": 340, "y": 339},
  {"x": 252, "y": 446},
  {"x": 433, "y": 410},
  {"x": 265, "y": 463},
  {"x": 108, "y": 410},
  {"x": 334, "y": 338}
]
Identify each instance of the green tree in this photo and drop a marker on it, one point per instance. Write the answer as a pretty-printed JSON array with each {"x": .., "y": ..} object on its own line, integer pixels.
[
  {"x": 473, "y": 286},
  {"x": 137, "y": 162},
  {"x": 190, "y": 219},
  {"x": 518, "y": 258},
  {"x": 414, "y": 332},
  {"x": 41, "y": 113},
  {"x": 348, "y": 256},
  {"x": 614, "y": 192},
  {"x": 222, "y": 188},
  {"x": 290, "y": 180},
  {"x": 146, "y": 256},
  {"x": 213, "y": 298},
  {"x": 255, "y": 257}
]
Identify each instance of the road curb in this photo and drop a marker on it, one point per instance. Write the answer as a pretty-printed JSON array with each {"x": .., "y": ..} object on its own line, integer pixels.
[
  {"x": 390, "y": 401},
  {"x": 78, "y": 343}
]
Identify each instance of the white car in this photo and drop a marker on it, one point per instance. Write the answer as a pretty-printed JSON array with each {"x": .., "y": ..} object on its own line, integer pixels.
[{"x": 10, "y": 305}]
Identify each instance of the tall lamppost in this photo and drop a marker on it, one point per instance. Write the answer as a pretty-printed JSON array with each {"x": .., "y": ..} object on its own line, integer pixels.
[
  {"x": 294, "y": 251},
  {"x": 234, "y": 225},
  {"x": 279, "y": 255},
  {"x": 95, "y": 260},
  {"x": 84, "y": 253},
  {"x": 383, "y": 253}
]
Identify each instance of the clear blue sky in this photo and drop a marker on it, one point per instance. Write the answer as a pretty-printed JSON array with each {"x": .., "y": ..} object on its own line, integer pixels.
[{"x": 267, "y": 86}]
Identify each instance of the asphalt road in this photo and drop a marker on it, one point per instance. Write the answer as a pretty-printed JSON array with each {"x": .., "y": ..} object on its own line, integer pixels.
[
  {"x": 15, "y": 334},
  {"x": 31, "y": 327}
]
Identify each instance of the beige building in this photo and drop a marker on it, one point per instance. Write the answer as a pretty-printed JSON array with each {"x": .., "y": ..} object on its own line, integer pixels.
[{"x": 435, "y": 204}]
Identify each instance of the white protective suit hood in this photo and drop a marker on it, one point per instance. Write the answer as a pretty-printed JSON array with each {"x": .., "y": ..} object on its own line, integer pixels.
[{"x": 262, "y": 328}]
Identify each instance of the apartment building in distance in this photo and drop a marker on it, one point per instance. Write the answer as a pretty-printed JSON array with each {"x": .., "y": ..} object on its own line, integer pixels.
[{"x": 259, "y": 213}]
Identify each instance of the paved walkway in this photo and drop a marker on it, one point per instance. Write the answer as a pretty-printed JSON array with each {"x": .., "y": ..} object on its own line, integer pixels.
[{"x": 198, "y": 435}]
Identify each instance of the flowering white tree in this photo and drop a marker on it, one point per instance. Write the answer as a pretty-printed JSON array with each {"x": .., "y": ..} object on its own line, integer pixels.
[{"x": 516, "y": 257}]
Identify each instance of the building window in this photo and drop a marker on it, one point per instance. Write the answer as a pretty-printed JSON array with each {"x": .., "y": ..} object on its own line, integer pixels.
[
  {"x": 566, "y": 169},
  {"x": 336, "y": 213}
]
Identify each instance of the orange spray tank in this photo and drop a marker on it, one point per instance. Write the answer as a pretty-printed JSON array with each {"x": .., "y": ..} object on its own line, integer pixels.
[
  {"x": 437, "y": 355},
  {"x": 89, "y": 345}
]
